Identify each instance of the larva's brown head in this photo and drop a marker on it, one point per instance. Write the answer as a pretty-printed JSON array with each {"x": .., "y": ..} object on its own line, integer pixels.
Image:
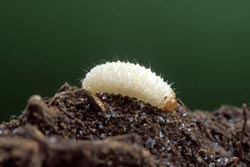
[{"x": 171, "y": 104}]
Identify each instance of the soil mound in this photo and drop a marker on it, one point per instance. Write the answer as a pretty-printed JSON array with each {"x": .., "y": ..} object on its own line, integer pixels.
[{"x": 78, "y": 129}]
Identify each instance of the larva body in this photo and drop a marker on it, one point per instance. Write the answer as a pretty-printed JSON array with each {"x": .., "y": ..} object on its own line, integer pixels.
[{"x": 133, "y": 80}]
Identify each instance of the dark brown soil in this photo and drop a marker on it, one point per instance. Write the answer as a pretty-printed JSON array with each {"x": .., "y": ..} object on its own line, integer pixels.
[{"x": 78, "y": 129}]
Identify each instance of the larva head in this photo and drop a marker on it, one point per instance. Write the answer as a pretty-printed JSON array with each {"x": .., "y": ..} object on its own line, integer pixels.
[{"x": 171, "y": 102}]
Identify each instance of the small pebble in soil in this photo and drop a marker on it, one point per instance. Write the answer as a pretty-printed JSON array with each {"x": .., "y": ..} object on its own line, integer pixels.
[
  {"x": 161, "y": 134},
  {"x": 222, "y": 161},
  {"x": 212, "y": 164},
  {"x": 159, "y": 119},
  {"x": 150, "y": 143}
]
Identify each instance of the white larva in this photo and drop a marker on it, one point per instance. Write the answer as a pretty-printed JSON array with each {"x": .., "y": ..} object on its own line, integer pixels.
[{"x": 133, "y": 80}]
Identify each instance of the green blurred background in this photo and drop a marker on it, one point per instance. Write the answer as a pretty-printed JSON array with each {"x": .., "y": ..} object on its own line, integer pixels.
[{"x": 202, "y": 46}]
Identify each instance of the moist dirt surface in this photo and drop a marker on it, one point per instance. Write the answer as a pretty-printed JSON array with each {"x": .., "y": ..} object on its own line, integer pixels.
[{"x": 78, "y": 129}]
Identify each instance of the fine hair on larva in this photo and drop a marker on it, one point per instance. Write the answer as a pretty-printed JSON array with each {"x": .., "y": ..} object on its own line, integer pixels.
[{"x": 133, "y": 80}]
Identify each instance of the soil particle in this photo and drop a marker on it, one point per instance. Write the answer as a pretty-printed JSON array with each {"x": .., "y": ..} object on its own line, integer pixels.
[{"x": 76, "y": 128}]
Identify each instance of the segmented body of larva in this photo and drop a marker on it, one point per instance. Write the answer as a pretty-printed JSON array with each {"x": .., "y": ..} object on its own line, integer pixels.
[{"x": 133, "y": 80}]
